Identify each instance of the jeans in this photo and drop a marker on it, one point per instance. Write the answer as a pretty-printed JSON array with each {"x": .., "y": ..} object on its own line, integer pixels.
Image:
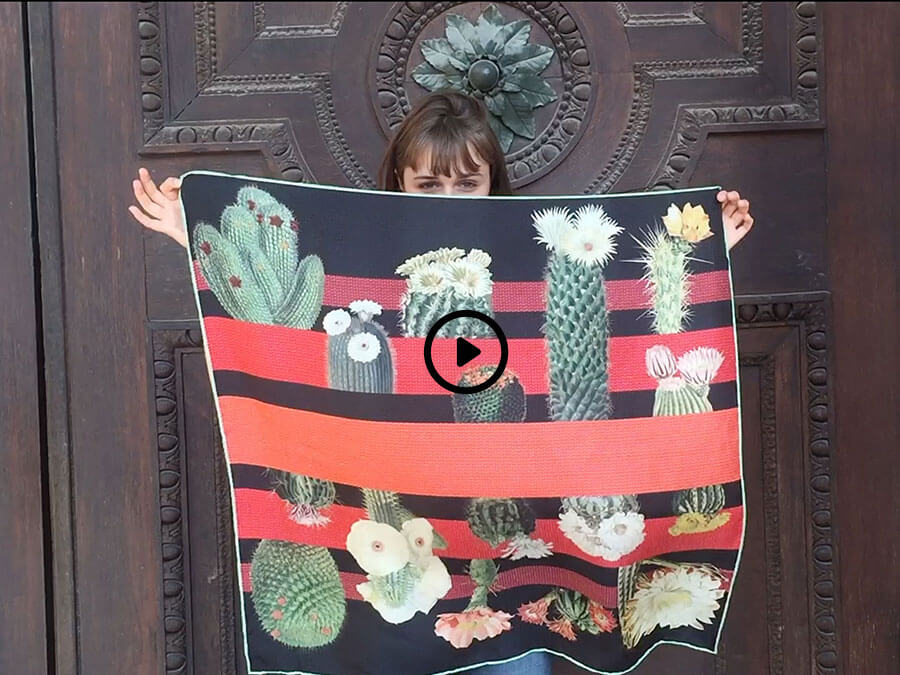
[{"x": 536, "y": 663}]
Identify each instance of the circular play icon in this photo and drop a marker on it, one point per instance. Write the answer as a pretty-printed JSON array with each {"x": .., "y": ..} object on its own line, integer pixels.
[{"x": 466, "y": 351}]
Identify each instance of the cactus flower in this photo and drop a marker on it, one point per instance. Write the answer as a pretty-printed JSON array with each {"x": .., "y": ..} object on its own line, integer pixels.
[
  {"x": 336, "y": 321},
  {"x": 660, "y": 362},
  {"x": 700, "y": 365},
  {"x": 690, "y": 223},
  {"x": 363, "y": 348},
  {"x": 377, "y": 547}
]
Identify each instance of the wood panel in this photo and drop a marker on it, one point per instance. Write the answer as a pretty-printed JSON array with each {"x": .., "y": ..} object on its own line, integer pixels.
[
  {"x": 23, "y": 627},
  {"x": 863, "y": 107},
  {"x": 114, "y": 499}
]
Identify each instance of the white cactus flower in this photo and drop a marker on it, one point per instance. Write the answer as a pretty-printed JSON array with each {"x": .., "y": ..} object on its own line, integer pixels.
[
  {"x": 336, "y": 321},
  {"x": 427, "y": 280},
  {"x": 592, "y": 239},
  {"x": 365, "y": 309},
  {"x": 524, "y": 546},
  {"x": 478, "y": 257},
  {"x": 377, "y": 547},
  {"x": 700, "y": 365},
  {"x": 363, "y": 347},
  {"x": 660, "y": 362},
  {"x": 468, "y": 279},
  {"x": 551, "y": 224}
]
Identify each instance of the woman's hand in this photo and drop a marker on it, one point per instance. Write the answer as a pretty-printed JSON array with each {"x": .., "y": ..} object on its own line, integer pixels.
[
  {"x": 736, "y": 217},
  {"x": 161, "y": 207}
]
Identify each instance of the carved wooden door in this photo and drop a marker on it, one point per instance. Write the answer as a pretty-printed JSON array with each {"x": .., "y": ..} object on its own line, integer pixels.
[{"x": 613, "y": 97}]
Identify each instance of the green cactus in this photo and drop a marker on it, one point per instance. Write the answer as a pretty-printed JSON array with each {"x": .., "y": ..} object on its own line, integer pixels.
[
  {"x": 665, "y": 260},
  {"x": 577, "y": 333},
  {"x": 419, "y": 311},
  {"x": 443, "y": 281},
  {"x": 674, "y": 396},
  {"x": 575, "y": 607},
  {"x": 384, "y": 506},
  {"x": 625, "y": 588},
  {"x": 396, "y": 587},
  {"x": 349, "y": 373},
  {"x": 297, "y": 593},
  {"x": 252, "y": 263},
  {"x": 306, "y": 495},
  {"x": 499, "y": 520},
  {"x": 709, "y": 499},
  {"x": 503, "y": 401},
  {"x": 596, "y": 509}
]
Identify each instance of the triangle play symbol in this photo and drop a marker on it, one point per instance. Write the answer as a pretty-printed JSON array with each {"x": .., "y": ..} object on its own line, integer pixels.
[{"x": 465, "y": 352}]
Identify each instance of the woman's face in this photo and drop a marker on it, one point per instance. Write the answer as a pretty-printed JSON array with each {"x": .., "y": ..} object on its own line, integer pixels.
[{"x": 420, "y": 179}]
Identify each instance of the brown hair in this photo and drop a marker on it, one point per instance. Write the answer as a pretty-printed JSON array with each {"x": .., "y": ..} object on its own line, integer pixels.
[{"x": 451, "y": 125}]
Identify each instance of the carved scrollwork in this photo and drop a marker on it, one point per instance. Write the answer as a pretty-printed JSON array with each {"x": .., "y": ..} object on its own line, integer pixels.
[
  {"x": 809, "y": 313},
  {"x": 572, "y": 108},
  {"x": 166, "y": 343},
  {"x": 693, "y": 16},
  {"x": 693, "y": 121},
  {"x": 265, "y": 32}
]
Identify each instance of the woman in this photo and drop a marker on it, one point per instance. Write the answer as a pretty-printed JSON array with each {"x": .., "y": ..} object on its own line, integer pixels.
[{"x": 445, "y": 146}]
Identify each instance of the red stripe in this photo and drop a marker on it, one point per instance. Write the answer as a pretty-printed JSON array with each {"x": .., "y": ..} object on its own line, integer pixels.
[
  {"x": 463, "y": 587},
  {"x": 610, "y": 457},
  {"x": 299, "y": 356},
  {"x": 511, "y": 296},
  {"x": 263, "y": 515}
]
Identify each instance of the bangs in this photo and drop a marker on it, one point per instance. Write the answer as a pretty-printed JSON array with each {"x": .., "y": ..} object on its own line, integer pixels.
[{"x": 448, "y": 152}]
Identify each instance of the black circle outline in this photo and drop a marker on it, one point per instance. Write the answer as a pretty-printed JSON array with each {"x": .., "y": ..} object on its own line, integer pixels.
[{"x": 501, "y": 338}]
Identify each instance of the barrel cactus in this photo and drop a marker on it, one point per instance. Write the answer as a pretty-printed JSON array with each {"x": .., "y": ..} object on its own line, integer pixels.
[
  {"x": 443, "y": 281},
  {"x": 503, "y": 401},
  {"x": 682, "y": 385},
  {"x": 665, "y": 256},
  {"x": 499, "y": 520},
  {"x": 699, "y": 510},
  {"x": 297, "y": 593},
  {"x": 359, "y": 350},
  {"x": 306, "y": 496},
  {"x": 252, "y": 263},
  {"x": 576, "y": 325}
]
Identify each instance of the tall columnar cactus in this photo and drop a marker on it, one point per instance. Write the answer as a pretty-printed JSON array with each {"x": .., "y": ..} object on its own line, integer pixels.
[
  {"x": 252, "y": 263},
  {"x": 443, "y": 281},
  {"x": 666, "y": 254},
  {"x": 297, "y": 593},
  {"x": 359, "y": 351},
  {"x": 682, "y": 385},
  {"x": 306, "y": 496},
  {"x": 503, "y": 401},
  {"x": 699, "y": 510},
  {"x": 576, "y": 324}
]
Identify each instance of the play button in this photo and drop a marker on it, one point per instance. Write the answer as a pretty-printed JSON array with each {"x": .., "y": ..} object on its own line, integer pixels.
[{"x": 466, "y": 352}]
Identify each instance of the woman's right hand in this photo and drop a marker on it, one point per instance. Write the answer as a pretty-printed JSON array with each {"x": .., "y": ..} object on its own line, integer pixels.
[{"x": 160, "y": 208}]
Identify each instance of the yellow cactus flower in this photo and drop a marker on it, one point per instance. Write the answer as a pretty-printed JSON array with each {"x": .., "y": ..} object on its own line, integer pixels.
[
  {"x": 693, "y": 523},
  {"x": 690, "y": 223}
]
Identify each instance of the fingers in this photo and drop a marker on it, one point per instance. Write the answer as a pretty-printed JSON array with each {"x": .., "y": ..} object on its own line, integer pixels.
[
  {"x": 729, "y": 208},
  {"x": 144, "y": 200},
  {"x": 721, "y": 195},
  {"x": 170, "y": 187},
  {"x": 145, "y": 220},
  {"x": 149, "y": 186}
]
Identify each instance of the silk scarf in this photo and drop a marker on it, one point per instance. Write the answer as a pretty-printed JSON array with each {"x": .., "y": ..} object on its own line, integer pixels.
[{"x": 581, "y": 496}]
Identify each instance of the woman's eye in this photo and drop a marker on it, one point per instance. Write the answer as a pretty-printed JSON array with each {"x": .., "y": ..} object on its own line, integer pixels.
[
  {"x": 431, "y": 185},
  {"x": 468, "y": 185}
]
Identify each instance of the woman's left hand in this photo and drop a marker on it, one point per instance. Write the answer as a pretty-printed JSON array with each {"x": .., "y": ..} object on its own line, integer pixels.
[{"x": 736, "y": 217}]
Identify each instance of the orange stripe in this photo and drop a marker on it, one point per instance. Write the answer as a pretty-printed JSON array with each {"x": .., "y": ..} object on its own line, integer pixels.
[
  {"x": 263, "y": 515},
  {"x": 511, "y": 296},
  {"x": 296, "y": 355},
  {"x": 624, "y": 456}
]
